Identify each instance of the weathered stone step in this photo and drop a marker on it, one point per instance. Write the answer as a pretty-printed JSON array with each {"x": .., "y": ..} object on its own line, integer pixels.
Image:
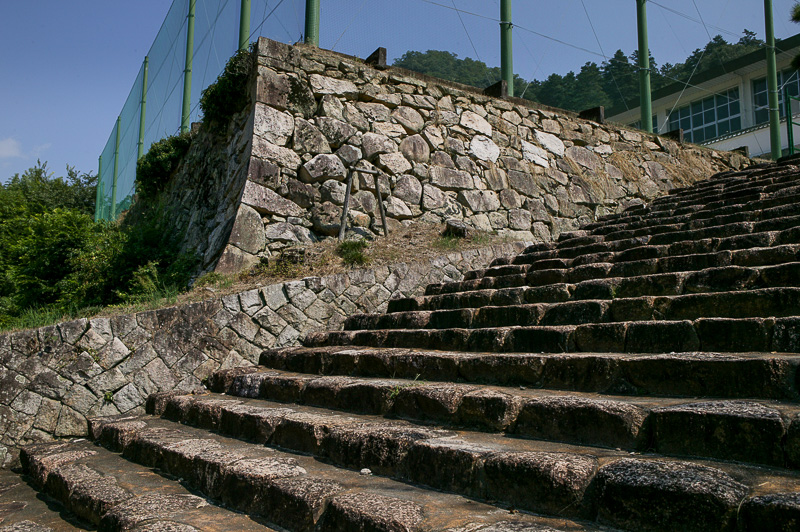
[
  {"x": 746, "y": 431},
  {"x": 712, "y": 192},
  {"x": 704, "y": 334},
  {"x": 749, "y": 235},
  {"x": 114, "y": 494},
  {"x": 297, "y": 492},
  {"x": 736, "y": 376},
  {"x": 774, "y": 207},
  {"x": 709, "y": 280},
  {"x": 779, "y": 254},
  {"x": 711, "y": 198},
  {"x": 697, "y": 197},
  {"x": 555, "y": 479},
  {"x": 23, "y": 509},
  {"x": 764, "y": 303}
]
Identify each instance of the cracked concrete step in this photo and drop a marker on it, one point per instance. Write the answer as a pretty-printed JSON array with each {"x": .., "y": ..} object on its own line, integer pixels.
[
  {"x": 23, "y": 509},
  {"x": 704, "y": 334},
  {"x": 706, "y": 281},
  {"x": 299, "y": 492},
  {"x": 746, "y": 431},
  {"x": 732, "y": 376},
  {"x": 625, "y": 490},
  {"x": 763, "y": 302},
  {"x": 113, "y": 494},
  {"x": 749, "y": 257}
]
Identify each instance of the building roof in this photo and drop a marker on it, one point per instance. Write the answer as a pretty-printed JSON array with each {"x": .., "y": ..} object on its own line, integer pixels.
[{"x": 742, "y": 62}]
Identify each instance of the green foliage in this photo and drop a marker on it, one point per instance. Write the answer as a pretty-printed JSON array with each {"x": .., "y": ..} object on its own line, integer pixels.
[
  {"x": 228, "y": 95},
  {"x": 155, "y": 168},
  {"x": 447, "y": 243},
  {"x": 611, "y": 84},
  {"x": 352, "y": 252},
  {"x": 447, "y": 65},
  {"x": 56, "y": 262}
]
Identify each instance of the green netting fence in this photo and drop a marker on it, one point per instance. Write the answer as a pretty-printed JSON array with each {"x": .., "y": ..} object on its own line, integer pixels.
[{"x": 468, "y": 29}]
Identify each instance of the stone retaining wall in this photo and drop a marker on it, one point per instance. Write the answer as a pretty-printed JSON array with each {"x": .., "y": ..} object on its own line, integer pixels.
[
  {"x": 53, "y": 378},
  {"x": 447, "y": 151}
]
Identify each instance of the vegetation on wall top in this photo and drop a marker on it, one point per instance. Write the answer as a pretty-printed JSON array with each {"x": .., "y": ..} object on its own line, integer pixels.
[{"x": 228, "y": 95}]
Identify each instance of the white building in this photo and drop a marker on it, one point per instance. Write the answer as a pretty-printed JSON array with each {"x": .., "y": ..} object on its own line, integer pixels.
[{"x": 726, "y": 107}]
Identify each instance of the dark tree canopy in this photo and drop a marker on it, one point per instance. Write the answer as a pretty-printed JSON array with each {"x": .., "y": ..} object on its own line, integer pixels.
[{"x": 612, "y": 83}]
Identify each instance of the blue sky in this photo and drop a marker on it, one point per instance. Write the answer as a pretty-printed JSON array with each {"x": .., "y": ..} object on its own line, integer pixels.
[{"x": 68, "y": 66}]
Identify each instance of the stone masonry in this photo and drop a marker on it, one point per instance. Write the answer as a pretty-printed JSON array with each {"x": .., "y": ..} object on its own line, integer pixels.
[
  {"x": 54, "y": 378},
  {"x": 277, "y": 177}
]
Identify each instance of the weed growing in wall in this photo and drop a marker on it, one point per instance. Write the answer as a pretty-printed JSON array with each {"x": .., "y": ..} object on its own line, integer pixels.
[
  {"x": 228, "y": 95},
  {"x": 155, "y": 168},
  {"x": 352, "y": 252}
]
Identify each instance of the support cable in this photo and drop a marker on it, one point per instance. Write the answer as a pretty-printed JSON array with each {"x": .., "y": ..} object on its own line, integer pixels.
[
  {"x": 458, "y": 11},
  {"x": 352, "y": 19},
  {"x": 596, "y": 38}
]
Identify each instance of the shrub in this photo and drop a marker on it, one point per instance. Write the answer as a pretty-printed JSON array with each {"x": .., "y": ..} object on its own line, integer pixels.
[
  {"x": 352, "y": 252},
  {"x": 155, "y": 168},
  {"x": 228, "y": 95}
]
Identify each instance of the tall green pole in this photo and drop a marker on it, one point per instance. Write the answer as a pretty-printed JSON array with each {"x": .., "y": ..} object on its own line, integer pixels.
[
  {"x": 645, "y": 103},
  {"x": 116, "y": 173},
  {"x": 506, "y": 40},
  {"x": 244, "y": 25},
  {"x": 142, "y": 108},
  {"x": 312, "y": 22},
  {"x": 187, "y": 72},
  {"x": 772, "y": 85},
  {"x": 98, "y": 188}
]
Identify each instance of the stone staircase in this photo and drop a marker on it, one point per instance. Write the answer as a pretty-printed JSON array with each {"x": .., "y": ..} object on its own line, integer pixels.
[{"x": 640, "y": 374}]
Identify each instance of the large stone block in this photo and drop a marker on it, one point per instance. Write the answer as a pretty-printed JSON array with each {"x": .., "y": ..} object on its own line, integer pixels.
[{"x": 268, "y": 201}]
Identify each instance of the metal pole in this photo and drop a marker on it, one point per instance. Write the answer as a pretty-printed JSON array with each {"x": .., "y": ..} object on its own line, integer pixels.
[
  {"x": 244, "y": 25},
  {"x": 142, "y": 109},
  {"x": 187, "y": 72},
  {"x": 97, "y": 189},
  {"x": 789, "y": 124},
  {"x": 312, "y": 22},
  {"x": 506, "y": 41},
  {"x": 772, "y": 85},
  {"x": 113, "y": 213},
  {"x": 645, "y": 103},
  {"x": 343, "y": 223}
]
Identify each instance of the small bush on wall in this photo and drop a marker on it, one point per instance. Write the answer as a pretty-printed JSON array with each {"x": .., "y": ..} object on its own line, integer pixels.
[
  {"x": 156, "y": 167},
  {"x": 228, "y": 95}
]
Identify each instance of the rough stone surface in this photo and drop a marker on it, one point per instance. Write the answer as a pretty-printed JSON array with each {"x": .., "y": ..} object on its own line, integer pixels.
[{"x": 177, "y": 348}]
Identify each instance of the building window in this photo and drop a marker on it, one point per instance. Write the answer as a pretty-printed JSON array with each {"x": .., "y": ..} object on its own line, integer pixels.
[
  {"x": 787, "y": 79},
  {"x": 638, "y": 124},
  {"x": 710, "y": 118}
]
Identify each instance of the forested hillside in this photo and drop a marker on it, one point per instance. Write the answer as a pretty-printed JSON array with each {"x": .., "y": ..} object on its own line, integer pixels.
[{"x": 611, "y": 84}]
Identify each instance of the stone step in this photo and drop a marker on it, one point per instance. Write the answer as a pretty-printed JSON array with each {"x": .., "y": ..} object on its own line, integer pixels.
[
  {"x": 779, "y": 254},
  {"x": 775, "y": 207},
  {"x": 625, "y": 490},
  {"x": 732, "y": 376},
  {"x": 746, "y": 431},
  {"x": 113, "y": 494},
  {"x": 764, "y": 303},
  {"x": 709, "y": 280},
  {"x": 23, "y": 509},
  {"x": 295, "y": 491},
  {"x": 698, "y": 196},
  {"x": 729, "y": 335},
  {"x": 711, "y": 198}
]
